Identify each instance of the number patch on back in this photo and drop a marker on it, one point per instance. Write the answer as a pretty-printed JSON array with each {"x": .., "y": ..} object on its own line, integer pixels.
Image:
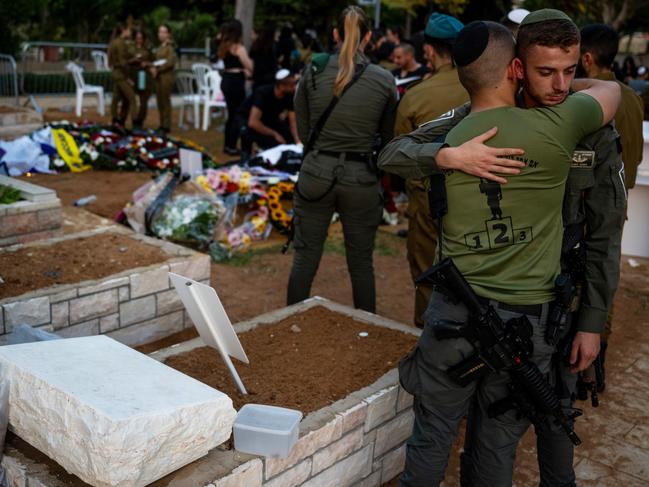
[{"x": 498, "y": 233}]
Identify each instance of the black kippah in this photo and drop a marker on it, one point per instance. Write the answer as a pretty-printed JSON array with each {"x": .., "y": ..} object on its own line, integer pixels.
[{"x": 471, "y": 43}]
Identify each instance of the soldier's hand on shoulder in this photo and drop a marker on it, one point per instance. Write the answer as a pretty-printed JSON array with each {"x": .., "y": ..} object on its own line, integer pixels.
[{"x": 478, "y": 159}]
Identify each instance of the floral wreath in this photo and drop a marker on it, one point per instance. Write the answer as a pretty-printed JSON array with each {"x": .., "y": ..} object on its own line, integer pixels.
[{"x": 279, "y": 217}]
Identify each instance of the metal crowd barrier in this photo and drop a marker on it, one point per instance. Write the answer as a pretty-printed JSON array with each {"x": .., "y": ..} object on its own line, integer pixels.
[
  {"x": 41, "y": 65},
  {"x": 8, "y": 77}
]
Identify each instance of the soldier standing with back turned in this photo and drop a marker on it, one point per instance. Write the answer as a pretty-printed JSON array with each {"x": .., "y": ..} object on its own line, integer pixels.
[
  {"x": 593, "y": 209},
  {"x": 422, "y": 103},
  {"x": 338, "y": 172}
]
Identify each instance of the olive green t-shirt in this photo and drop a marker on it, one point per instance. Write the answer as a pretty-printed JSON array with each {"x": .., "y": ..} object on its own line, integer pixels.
[{"x": 506, "y": 239}]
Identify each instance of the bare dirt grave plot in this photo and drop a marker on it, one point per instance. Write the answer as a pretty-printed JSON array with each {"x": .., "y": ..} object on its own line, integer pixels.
[
  {"x": 72, "y": 261},
  {"x": 304, "y": 362},
  {"x": 113, "y": 189}
]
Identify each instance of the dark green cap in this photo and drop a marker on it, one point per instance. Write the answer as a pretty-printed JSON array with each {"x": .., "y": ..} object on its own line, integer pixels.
[{"x": 544, "y": 15}]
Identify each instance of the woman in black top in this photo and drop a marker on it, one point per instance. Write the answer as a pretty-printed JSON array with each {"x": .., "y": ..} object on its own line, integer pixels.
[
  {"x": 264, "y": 57},
  {"x": 285, "y": 47},
  {"x": 237, "y": 65}
]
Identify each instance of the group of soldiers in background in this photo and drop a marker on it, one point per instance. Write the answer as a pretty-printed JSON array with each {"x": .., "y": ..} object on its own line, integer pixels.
[{"x": 136, "y": 71}]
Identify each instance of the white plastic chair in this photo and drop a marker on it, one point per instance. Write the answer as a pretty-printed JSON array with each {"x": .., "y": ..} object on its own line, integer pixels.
[
  {"x": 83, "y": 88},
  {"x": 186, "y": 88},
  {"x": 201, "y": 71},
  {"x": 214, "y": 98},
  {"x": 101, "y": 60}
]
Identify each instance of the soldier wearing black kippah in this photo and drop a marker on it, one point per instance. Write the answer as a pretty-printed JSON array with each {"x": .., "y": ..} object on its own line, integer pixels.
[
  {"x": 504, "y": 267},
  {"x": 593, "y": 209}
]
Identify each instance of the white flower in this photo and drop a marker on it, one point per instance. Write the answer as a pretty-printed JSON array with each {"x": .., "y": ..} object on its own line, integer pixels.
[
  {"x": 121, "y": 163},
  {"x": 170, "y": 144},
  {"x": 143, "y": 150},
  {"x": 165, "y": 160},
  {"x": 58, "y": 162},
  {"x": 94, "y": 155},
  {"x": 189, "y": 214},
  {"x": 99, "y": 140}
]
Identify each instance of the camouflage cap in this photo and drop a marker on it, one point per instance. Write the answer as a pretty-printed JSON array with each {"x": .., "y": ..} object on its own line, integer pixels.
[
  {"x": 544, "y": 15},
  {"x": 442, "y": 26}
]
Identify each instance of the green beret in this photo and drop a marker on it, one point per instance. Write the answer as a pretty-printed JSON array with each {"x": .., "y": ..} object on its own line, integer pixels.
[
  {"x": 441, "y": 26},
  {"x": 544, "y": 15}
]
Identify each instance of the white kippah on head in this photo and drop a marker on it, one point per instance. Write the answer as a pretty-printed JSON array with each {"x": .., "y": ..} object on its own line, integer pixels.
[
  {"x": 282, "y": 74},
  {"x": 517, "y": 15}
]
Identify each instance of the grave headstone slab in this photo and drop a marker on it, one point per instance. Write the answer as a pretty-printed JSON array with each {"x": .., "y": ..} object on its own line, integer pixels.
[{"x": 109, "y": 414}]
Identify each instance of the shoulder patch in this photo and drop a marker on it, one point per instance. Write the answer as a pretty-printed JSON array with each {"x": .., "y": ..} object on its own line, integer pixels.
[
  {"x": 583, "y": 159},
  {"x": 444, "y": 116}
]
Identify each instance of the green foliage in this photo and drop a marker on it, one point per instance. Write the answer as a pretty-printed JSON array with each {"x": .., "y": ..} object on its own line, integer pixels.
[
  {"x": 581, "y": 11},
  {"x": 190, "y": 27},
  {"x": 452, "y": 7},
  {"x": 8, "y": 195}
]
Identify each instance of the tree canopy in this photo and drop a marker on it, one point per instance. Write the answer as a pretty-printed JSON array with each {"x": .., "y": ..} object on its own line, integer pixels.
[{"x": 194, "y": 20}]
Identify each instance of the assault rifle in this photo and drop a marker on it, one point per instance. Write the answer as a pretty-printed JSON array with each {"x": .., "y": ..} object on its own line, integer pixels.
[{"x": 500, "y": 345}]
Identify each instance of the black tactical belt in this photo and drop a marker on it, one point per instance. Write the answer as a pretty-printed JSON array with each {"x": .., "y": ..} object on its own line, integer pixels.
[
  {"x": 535, "y": 310},
  {"x": 349, "y": 156}
]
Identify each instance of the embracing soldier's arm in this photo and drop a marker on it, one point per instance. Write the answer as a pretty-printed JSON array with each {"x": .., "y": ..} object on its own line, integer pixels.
[
  {"x": 604, "y": 206},
  {"x": 422, "y": 152}
]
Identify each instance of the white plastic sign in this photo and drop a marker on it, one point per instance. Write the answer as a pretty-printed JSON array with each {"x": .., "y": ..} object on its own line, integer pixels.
[
  {"x": 211, "y": 321},
  {"x": 191, "y": 162}
]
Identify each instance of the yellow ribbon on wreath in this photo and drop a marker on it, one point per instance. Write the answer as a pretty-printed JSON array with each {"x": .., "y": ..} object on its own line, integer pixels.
[{"x": 69, "y": 151}]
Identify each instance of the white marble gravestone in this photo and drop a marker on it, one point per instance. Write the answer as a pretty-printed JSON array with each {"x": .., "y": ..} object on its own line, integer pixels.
[{"x": 109, "y": 414}]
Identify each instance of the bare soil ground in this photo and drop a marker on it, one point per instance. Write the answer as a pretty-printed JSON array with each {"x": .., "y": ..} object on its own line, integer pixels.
[
  {"x": 71, "y": 261},
  {"x": 304, "y": 362}
]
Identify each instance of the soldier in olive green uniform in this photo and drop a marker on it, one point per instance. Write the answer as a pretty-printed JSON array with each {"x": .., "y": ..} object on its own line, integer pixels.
[
  {"x": 164, "y": 61},
  {"x": 338, "y": 174},
  {"x": 593, "y": 206},
  {"x": 509, "y": 256},
  {"x": 142, "y": 79},
  {"x": 119, "y": 55},
  {"x": 598, "y": 49},
  {"x": 423, "y": 102}
]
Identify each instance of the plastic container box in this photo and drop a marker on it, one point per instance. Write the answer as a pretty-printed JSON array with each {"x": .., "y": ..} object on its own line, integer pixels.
[{"x": 266, "y": 430}]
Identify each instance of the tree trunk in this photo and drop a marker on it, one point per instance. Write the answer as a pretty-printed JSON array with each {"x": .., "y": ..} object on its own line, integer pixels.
[
  {"x": 408, "y": 25},
  {"x": 616, "y": 19},
  {"x": 245, "y": 12}
]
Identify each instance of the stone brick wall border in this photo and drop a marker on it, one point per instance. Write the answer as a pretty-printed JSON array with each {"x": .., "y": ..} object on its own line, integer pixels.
[
  {"x": 358, "y": 441},
  {"x": 134, "y": 306},
  {"x": 37, "y": 216}
]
